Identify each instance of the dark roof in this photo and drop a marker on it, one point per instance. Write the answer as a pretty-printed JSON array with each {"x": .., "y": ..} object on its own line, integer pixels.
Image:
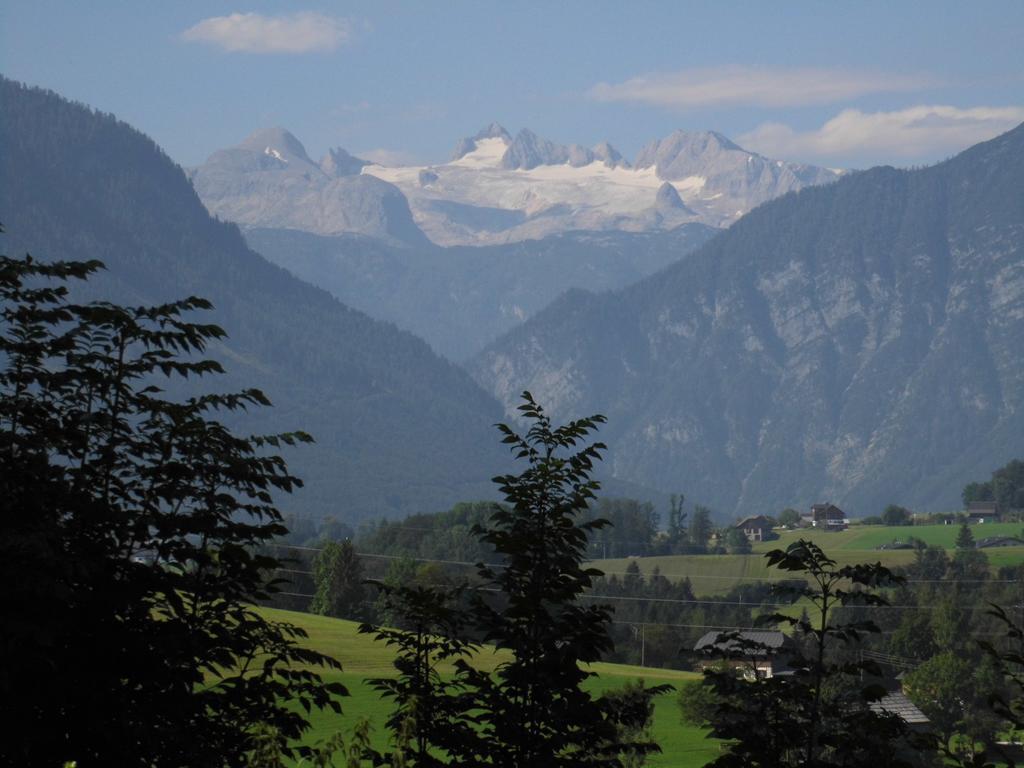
[
  {"x": 983, "y": 506},
  {"x": 898, "y": 704},
  {"x": 755, "y": 521},
  {"x": 827, "y": 511},
  {"x": 768, "y": 640},
  {"x": 999, "y": 541}
]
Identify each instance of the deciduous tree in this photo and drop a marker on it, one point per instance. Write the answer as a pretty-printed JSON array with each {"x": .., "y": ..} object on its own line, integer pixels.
[
  {"x": 130, "y": 526},
  {"x": 535, "y": 710}
]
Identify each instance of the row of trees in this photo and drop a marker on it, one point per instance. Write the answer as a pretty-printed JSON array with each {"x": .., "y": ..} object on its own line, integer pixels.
[{"x": 1006, "y": 487}]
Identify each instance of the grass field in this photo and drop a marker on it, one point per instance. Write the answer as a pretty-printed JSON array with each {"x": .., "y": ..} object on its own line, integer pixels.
[
  {"x": 362, "y": 657},
  {"x": 716, "y": 574}
]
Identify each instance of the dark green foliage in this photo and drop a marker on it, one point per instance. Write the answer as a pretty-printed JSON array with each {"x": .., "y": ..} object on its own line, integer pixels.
[
  {"x": 534, "y": 711},
  {"x": 697, "y": 703},
  {"x": 965, "y": 538},
  {"x": 633, "y": 528},
  {"x": 977, "y": 492},
  {"x": 631, "y": 709},
  {"x": 736, "y": 542},
  {"x": 338, "y": 575},
  {"x": 700, "y": 528},
  {"x": 896, "y": 515},
  {"x": 433, "y": 716},
  {"x": 439, "y": 536},
  {"x": 1006, "y": 487},
  {"x": 820, "y": 715},
  {"x": 1009, "y": 656},
  {"x": 969, "y": 562},
  {"x": 998, "y": 678},
  {"x": 677, "y": 532},
  {"x": 789, "y": 517},
  {"x": 129, "y": 527}
]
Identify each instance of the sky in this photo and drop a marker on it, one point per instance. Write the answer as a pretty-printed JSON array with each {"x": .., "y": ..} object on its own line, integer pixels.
[{"x": 839, "y": 84}]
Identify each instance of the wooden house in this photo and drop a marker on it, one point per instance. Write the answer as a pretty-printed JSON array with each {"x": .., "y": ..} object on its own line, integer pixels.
[
  {"x": 756, "y": 654},
  {"x": 983, "y": 512},
  {"x": 756, "y": 528},
  {"x": 829, "y": 517}
]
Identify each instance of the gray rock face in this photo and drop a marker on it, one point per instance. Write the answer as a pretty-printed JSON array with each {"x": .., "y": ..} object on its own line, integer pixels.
[
  {"x": 859, "y": 342},
  {"x": 269, "y": 141},
  {"x": 337, "y": 163},
  {"x": 578, "y": 156},
  {"x": 610, "y": 156},
  {"x": 528, "y": 150},
  {"x": 668, "y": 199},
  {"x": 268, "y": 180},
  {"x": 727, "y": 169}
]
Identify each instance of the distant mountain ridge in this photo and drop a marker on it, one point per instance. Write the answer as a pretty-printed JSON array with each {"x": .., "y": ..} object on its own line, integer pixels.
[
  {"x": 398, "y": 429},
  {"x": 461, "y": 298},
  {"x": 497, "y": 188},
  {"x": 858, "y": 342},
  {"x": 269, "y": 180}
]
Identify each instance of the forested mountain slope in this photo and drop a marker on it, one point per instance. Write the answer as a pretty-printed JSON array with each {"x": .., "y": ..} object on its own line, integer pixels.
[
  {"x": 859, "y": 342},
  {"x": 398, "y": 429},
  {"x": 461, "y": 298}
]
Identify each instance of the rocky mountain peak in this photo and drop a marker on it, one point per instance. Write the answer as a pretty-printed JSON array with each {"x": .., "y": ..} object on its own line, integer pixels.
[
  {"x": 528, "y": 150},
  {"x": 684, "y": 149},
  {"x": 493, "y": 131},
  {"x": 668, "y": 198},
  {"x": 610, "y": 155},
  {"x": 338, "y": 162},
  {"x": 276, "y": 142}
]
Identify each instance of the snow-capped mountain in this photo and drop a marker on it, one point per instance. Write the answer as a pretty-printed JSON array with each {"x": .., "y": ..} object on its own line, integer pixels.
[
  {"x": 496, "y": 188},
  {"x": 499, "y": 188}
]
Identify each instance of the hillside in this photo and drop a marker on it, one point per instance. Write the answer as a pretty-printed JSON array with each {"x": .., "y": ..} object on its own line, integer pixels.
[
  {"x": 857, "y": 342},
  {"x": 683, "y": 746},
  {"x": 461, "y": 298},
  {"x": 398, "y": 429}
]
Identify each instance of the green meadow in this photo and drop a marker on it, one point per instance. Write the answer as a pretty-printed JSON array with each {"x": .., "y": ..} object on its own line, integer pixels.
[
  {"x": 716, "y": 574},
  {"x": 682, "y": 746}
]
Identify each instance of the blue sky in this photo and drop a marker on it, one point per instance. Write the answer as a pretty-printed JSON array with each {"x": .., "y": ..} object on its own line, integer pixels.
[{"x": 842, "y": 84}]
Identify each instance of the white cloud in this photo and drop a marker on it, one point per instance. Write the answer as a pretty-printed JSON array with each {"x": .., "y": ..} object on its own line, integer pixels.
[
  {"x": 920, "y": 132},
  {"x": 254, "y": 33},
  {"x": 392, "y": 158},
  {"x": 751, "y": 86}
]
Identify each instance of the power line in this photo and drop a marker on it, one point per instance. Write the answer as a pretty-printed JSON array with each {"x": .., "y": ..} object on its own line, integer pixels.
[{"x": 691, "y": 577}]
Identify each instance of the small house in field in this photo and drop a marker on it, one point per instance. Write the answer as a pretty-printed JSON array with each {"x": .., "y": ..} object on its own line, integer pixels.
[
  {"x": 829, "y": 517},
  {"x": 983, "y": 512},
  {"x": 757, "y": 528},
  {"x": 755, "y": 654}
]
